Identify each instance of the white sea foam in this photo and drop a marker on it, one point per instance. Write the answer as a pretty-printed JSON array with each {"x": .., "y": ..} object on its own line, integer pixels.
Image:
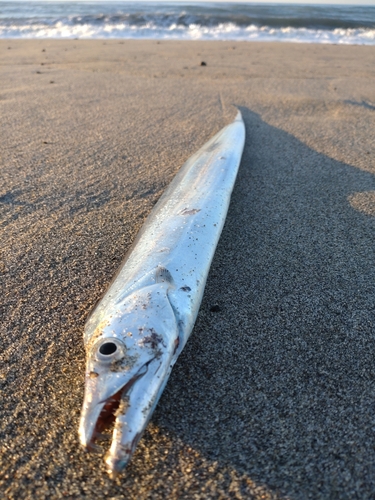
[
  {"x": 186, "y": 21},
  {"x": 222, "y": 31}
]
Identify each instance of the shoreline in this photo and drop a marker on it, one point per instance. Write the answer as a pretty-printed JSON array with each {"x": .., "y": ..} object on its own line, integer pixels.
[{"x": 179, "y": 21}]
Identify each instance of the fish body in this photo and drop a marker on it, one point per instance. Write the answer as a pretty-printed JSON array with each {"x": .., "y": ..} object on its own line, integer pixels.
[{"x": 138, "y": 329}]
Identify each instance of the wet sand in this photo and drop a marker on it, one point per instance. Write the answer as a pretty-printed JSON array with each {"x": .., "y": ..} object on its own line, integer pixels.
[{"x": 274, "y": 395}]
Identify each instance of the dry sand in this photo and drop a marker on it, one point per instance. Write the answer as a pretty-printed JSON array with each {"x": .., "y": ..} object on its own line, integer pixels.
[{"x": 274, "y": 395}]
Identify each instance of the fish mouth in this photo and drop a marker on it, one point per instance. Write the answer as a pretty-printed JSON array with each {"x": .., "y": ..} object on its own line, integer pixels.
[
  {"x": 99, "y": 415},
  {"x": 124, "y": 401},
  {"x": 107, "y": 416}
]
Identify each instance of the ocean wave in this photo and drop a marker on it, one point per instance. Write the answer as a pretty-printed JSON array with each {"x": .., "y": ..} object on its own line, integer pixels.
[
  {"x": 293, "y": 23},
  {"x": 222, "y": 31}
]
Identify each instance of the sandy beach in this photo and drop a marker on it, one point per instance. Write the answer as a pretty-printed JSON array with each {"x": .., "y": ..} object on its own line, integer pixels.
[{"x": 274, "y": 394}]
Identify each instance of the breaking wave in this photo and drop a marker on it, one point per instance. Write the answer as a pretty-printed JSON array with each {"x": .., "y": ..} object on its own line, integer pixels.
[{"x": 215, "y": 21}]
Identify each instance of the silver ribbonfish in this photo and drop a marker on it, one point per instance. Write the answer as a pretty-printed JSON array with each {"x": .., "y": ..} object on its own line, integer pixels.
[{"x": 137, "y": 331}]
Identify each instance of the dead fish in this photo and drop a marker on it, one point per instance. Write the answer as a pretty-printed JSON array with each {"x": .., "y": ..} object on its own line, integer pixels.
[{"x": 138, "y": 329}]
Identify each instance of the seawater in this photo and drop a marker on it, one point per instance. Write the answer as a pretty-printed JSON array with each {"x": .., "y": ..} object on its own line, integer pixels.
[{"x": 188, "y": 21}]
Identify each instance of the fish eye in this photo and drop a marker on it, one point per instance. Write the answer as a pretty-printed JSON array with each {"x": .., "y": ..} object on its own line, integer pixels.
[{"x": 108, "y": 348}]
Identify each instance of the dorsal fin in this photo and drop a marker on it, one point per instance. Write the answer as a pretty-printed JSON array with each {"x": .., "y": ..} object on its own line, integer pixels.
[{"x": 162, "y": 275}]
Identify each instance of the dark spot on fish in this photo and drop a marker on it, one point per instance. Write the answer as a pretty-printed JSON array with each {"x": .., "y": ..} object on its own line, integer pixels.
[
  {"x": 191, "y": 211},
  {"x": 43, "y": 50},
  {"x": 153, "y": 340},
  {"x": 215, "y": 308},
  {"x": 51, "y": 81},
  {"x": 38, "y": 72},
  {"x": 176, "y": 344},
  {"x": 162, "y": 275},
  {"x": 185, "y": 288},
  {"x": 213, "y": 147},
  {"x": 203, "y": 63}
]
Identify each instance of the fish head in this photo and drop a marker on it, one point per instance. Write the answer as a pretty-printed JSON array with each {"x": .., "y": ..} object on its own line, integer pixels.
[
  {"x": 129, "y": 359},
  {"x": 111, "y": 369}
]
